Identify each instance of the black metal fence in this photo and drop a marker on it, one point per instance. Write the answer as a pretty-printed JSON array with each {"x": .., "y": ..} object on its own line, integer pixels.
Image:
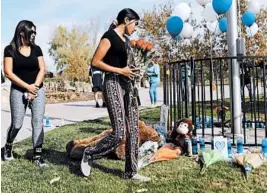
[{"x": 200, "y": 88}]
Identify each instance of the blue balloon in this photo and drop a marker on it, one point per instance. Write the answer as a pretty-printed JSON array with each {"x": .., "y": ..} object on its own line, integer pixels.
[
  {"x": 248, "y": 18},
  {"x": 223, "y": 25},
  {"x": 174, "y": 25},
  {"x": 221, "y": 6},
  {"x": 178, "y": 37}
]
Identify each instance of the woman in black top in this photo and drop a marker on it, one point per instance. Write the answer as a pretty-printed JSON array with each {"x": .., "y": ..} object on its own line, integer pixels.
[
  {"x": 25, "y": 67},
  {"x": 111, "y": 57}
]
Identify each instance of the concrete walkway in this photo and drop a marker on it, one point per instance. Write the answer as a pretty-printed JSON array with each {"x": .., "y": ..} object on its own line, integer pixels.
[{"x": 61, "y": 113}]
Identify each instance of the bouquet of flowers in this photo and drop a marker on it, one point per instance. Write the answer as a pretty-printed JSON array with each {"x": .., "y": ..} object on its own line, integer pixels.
[{"x": 139, "y": 53}]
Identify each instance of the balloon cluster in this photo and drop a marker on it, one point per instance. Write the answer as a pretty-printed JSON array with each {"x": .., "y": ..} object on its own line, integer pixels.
[
  {"x": 177, "y": 28},
  {"x": 249, "y": 17},
  {"x": 176, "y": 25},
  {"x": 214, "y": 8}
]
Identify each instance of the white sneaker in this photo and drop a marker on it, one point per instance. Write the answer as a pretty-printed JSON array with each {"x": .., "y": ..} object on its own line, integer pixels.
[
  {"x": 8, "y": 158},
  {"x": 86, "y": 164},
  {"x": 141, "y": 178},
  {"x": 39, "y": 162},
  {"x": 8, "y": 155}
]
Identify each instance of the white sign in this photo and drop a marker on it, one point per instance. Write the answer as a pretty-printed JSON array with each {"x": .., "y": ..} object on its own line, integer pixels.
[{"x": 220, "y": 144}]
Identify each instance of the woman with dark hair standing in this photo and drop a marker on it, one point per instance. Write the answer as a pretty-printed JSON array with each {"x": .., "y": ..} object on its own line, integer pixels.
[
  {"x": 111, "y": 57},
  {"x": 25, "y": 67}
]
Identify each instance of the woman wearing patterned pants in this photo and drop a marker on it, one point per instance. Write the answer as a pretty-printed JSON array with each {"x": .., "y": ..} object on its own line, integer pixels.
[
  {"x": 111, "y": 57},
  {"x": 123, "y": 113}
]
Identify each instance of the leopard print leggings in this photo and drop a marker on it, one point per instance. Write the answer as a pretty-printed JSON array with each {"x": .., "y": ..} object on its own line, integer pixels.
[{"x": 123, "y": 112}]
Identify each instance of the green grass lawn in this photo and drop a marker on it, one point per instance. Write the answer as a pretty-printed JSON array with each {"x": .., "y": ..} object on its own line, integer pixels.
[{"x": 180, "y": 175}]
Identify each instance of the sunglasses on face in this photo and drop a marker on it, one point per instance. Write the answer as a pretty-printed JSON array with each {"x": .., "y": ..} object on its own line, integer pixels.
[
  {"x": 135, "y": 23},
  {"x": 33, "y": 32}
]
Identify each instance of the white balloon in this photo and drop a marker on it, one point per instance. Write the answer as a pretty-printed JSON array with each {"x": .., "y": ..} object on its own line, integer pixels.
[
  {"x": 217, "y": 29},
  {"x": 254, "y": 6},
  {"x": 203, "y": 2},
  {"x": 182, "y": 10},
  {"x": 253, "y": 30},
  {"x": 209, "y": 13},
  {"x": 212, "y": 26},
  {"x": 187, "y": 31}
]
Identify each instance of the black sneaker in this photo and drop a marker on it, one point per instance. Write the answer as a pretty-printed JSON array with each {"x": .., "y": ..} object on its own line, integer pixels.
[
  {"x": 97, "y": 105},
  {"x": 39, "y": 162},
  {"x": 8, "y": 156},
  {"x": 69, "y": 147},
  {"x": 104, "y": 105}
]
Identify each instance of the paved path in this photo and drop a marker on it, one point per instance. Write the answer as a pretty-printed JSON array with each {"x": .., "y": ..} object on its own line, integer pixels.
[
  {"x": 61, "y": 113},
  {"x": 67, "y": 113}
]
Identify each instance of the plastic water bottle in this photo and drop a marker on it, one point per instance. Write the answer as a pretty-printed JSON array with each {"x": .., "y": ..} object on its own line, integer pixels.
[
  {"x": 25, "y": 95},
  {"x": 194, "y": 145},
  {"x": 240, "y": 148},
  {"x": 207, "y": 122},
  {"x": 249, "y": 124},
  {"x": 198, "y": 123},
  {"x": 188, "y": 145},
  {"x": 257, "y": 124},
  {"x": 264, "y": 147},
  {"x": 202, "y": 143},
  {"x": 211, "y": 122},
  {"x": 229, "y": 147},
  {"x": 47, "y": 121}
]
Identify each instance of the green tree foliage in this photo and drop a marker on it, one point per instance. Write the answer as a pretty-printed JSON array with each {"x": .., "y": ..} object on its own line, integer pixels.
[{"x": 71, "y": 51}]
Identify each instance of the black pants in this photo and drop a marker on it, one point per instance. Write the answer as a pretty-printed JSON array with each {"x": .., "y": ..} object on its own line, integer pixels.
[
  {"x": 250, "y": 91},
  {"x": 123, "y": 112}
]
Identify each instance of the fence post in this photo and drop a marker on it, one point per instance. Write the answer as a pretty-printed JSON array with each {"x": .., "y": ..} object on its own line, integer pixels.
[
  {"x": 174, "y": 91},
  {"x": 264, "y": 93},
  {"x": 193, "y": 93},
  {"x": 211, "y": 95},
  {"x": 232, "y": 35},
  {"x": 164, "y": 84},
  {"x": 186, "y": 91}
]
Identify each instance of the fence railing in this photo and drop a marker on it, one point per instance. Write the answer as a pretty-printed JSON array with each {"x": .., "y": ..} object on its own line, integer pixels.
[{"x": 200, "y": 88}]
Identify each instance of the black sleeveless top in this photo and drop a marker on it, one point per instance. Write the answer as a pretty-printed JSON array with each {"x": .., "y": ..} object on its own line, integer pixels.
[
  {"x": 25, "y": 67},
  {"x": 117, "y": 53}
]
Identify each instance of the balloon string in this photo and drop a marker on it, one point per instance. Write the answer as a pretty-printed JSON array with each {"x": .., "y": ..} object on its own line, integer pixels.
[
  {"x": 211, "y": 48},
  {"x": 250, "y": 32},
  {"x": 177, "y": 48}
]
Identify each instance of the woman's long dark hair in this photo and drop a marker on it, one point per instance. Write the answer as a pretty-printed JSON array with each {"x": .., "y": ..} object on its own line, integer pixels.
[
  {"x": 23, "y": 31},
  {"x": 127, "y": 12}
]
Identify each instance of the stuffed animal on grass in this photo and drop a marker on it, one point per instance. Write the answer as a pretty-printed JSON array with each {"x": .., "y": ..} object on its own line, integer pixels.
[
  {"x": 75, "y": 148},
  {"x": 182, "y": 130}
]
